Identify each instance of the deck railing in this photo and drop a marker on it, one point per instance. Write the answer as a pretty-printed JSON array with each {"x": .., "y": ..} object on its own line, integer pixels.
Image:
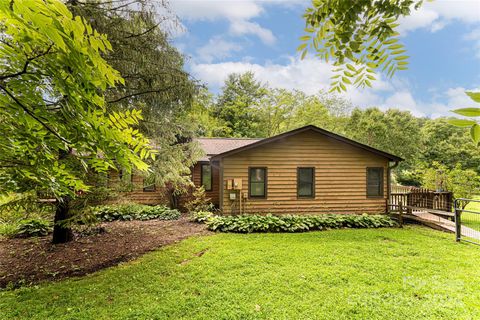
[{"x": 419, "y": 199}]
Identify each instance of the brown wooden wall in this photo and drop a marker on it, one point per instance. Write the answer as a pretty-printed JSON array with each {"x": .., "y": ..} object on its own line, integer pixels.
[
  {"x": 137, "y": 194},
  {"x": 215, "y": 192},
  {"x": 340, "y": 176}
]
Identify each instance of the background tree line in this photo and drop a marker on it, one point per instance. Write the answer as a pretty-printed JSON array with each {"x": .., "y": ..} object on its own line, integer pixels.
[{"x": 245, "y": 107}]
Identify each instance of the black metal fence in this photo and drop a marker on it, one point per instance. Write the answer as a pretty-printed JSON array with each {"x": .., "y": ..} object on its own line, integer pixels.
[{"x": 467, "y": 220}]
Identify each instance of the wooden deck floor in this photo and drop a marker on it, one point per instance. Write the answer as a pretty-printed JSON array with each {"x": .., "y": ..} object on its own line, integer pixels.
[{"x": 443, "y": 223}]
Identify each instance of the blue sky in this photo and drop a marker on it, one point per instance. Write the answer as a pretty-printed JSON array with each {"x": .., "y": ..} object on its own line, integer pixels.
[{"x": 443, "y": 40}]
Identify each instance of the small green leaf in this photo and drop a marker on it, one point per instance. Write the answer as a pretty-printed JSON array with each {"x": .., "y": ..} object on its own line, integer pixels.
[
  {"x": 461, "y": 122},
  {"x": 301, "y": 47},
  {"x": 468, "y": 112},
  {"x": 351, "y": 68},
  {"x": 304, "y": 53},
  {"x": 475, "y": 132},
  {"x": 475, "y": 96},
  {"x": 395, "y": 46}
]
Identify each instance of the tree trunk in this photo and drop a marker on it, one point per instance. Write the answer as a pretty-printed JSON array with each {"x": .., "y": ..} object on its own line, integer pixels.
[{"x": 62, "y": 233}]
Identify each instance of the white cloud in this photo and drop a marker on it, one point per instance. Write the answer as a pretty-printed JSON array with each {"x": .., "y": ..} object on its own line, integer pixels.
[
  {"x": 437, "y": 14},
  {"x": 242, "y": 27},
  {"x": 217, "y": 48},
  {"x": 457, "y": 98},
  {"x": 312, "y": 75},
  {"x": 474, "y": 38},
  {"x": 216, "y": 9},
  {"x": 309, "y": 75},
  {"x": 404, "y": 100},
  {"x": 239, "y": 13}
]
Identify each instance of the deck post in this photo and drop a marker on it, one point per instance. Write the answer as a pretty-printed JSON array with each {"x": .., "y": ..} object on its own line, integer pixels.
[
  {"x": 400, "y": 214},
  {"x": 458, "y": 222}
]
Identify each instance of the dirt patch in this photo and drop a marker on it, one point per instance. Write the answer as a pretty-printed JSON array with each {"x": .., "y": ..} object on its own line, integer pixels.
[{"x": 29, "y": 261}]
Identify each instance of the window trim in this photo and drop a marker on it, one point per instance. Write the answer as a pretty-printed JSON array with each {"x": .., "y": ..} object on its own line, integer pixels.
[
  {"x": 382, "y": 183},
  {"x": 211, "y": 174},
  {"x": 313, "y": 189},
  {"x": 146, "y": 188},
  {"x": 265, "y": 188},
  {"x": 120, "y": 175}
]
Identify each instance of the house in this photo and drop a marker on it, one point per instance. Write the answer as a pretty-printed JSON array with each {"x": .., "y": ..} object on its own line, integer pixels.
[{"x": 304, "y": 171}]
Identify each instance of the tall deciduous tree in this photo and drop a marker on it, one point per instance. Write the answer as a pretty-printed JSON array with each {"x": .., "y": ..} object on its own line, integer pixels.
[
  {"x": 448, "y": 144},
  {"x": 155, "y": 79},
  {"x": 238, "y": 105},
  {"x": 54, "y": 124},
  {"x": 464, "y": 183},
  {"x": 394, "y": 131}
]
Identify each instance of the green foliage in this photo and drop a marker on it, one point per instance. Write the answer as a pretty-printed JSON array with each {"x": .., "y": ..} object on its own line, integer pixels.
[
  {"x": 19, "y": 206},
  {"x": 16, "y": 209},
  {"x": 394, "y": 131},
  {"x": 33, "y": 228},
  {"x": 464, "y": 183},
  {"x": 8, "y": 230},
  {"x": 199, "y": 201},
  {"x": 447, "y": 144},
  {"x": 360, "y": 38},
  {"x": 202, "y": 114},
  {"x": 135, "y": 212},
  {"x": 263, "y": 111},
  {"x": 201, "y": 216},
  {"x": 470, "y": 112},
  {"x": 52, "y": 108},
  {"x": 291, "y": 223},
  {"x": 238, "y": 106},
  {"x": 155, "y": 79}
]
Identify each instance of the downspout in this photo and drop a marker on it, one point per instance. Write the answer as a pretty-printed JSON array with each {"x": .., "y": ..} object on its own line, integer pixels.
[
  {"x": 389, "y": 178},
  {"x": 221, "y": 185}
]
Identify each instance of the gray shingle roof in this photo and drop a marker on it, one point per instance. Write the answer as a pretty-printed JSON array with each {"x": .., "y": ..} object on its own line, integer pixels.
[{"x": 214, "y": 146}]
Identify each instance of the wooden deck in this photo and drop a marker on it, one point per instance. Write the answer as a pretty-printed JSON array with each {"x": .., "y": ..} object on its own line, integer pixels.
[{"x": 440, "y": 223}]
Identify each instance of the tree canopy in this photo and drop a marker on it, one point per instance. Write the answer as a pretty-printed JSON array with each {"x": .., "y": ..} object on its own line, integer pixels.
[
  {"x": 420, "y": 141},
  {"x": 55, "y": 126},
  {"x": 238, "y": 105},
  {"x": 52, "y": 78},
  {"x": 360, "y": 38},
  {"x": 155, "y": 81}
]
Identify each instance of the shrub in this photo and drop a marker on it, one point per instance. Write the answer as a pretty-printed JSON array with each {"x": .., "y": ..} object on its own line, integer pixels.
[
  {"x": 8, "y": 229},
  {"x": 33, "y": 228},
  {"x": 291, "y": 223},
  {"x": 199, "y": 201},
  {"x": 135, "y": 212},
  {"x": 201, "y": 216}
]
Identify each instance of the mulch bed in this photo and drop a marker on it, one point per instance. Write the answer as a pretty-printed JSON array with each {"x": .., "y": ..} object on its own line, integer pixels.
[{"x": 29, "y": 261}]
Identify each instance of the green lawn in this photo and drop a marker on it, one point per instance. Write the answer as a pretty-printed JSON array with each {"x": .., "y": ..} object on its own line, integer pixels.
[
  {"x": 410, "y": 273},
  {"x": 472, "y": 220}
]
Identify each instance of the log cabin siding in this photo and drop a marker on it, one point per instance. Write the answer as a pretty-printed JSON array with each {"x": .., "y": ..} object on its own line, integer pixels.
[
  {"x": 137, "y": 195},
  {"x": 340, "y": 176},
  {"x": 196, "y": 177}
]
